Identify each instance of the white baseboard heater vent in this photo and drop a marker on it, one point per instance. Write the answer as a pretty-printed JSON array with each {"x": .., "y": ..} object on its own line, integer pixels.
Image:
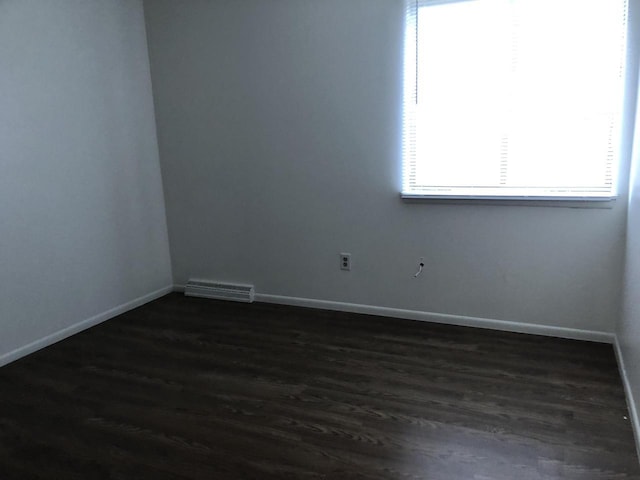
[{"x": 219, "y": 291}]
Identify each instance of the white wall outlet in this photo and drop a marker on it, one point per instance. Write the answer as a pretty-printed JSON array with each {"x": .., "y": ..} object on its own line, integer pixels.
[{"x": 345, "y": 261}]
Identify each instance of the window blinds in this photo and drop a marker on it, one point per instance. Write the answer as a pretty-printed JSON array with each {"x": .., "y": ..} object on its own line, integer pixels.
[{"x": 513, "y": 98}]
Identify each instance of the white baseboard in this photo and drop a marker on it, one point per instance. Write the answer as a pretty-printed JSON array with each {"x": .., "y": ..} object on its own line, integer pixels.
[
  {"x": 631, "y": 404},
  {"x": 460, "y": 320},
  {"x": 80, "y": 326}
]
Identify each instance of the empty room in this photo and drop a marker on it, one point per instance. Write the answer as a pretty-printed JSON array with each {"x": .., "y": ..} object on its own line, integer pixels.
[{"x": 319, "y": 239}]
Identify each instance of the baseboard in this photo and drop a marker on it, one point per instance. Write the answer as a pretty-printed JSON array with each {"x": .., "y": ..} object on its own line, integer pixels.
[
  {"x": 631, "y": 404},
  {"x": 460, "y": 320},
  {"x": 83, "y": 325}
]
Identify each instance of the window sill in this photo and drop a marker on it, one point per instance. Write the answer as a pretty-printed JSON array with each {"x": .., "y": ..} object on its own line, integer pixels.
[{"x": 557, "y": 202}]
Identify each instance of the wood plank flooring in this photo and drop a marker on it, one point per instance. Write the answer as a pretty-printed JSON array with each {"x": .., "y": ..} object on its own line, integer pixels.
[{"x": 186, "y": 388}]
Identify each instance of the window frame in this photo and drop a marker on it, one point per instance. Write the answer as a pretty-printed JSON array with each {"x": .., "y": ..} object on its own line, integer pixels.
[{"x": 410, "y": 86}]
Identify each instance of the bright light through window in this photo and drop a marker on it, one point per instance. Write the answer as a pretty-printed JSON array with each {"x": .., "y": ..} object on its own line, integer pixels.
[{"x": 513, "y": 98}]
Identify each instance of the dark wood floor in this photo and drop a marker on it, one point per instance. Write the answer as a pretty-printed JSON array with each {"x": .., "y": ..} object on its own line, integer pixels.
[{"x": 187, "y": 388}]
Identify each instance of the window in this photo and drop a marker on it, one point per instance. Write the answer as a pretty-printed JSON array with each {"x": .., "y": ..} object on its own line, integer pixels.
[{"x": 513, "y": 98}]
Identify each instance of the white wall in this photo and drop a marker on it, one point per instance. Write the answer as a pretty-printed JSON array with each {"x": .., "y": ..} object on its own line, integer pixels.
[
  {"x": 82, "y": 221},
  {"x": 629, "y": 326},
  {"x": 279, "y": 127}
]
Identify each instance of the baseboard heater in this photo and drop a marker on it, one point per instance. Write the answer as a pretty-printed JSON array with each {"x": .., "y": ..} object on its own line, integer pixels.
[{"x": 219, "y": 291}]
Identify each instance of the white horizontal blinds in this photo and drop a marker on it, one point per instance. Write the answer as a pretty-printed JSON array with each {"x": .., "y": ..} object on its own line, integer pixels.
[
  {"x": 517, "y": 97},
  {"x": 410, "y": 95},
  {"x": 462, "y": 68},
  {"x": 567, "y": 95}
]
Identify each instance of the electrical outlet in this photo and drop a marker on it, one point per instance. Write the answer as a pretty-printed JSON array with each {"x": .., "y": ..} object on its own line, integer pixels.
[{"x": 345, "y": 261}]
